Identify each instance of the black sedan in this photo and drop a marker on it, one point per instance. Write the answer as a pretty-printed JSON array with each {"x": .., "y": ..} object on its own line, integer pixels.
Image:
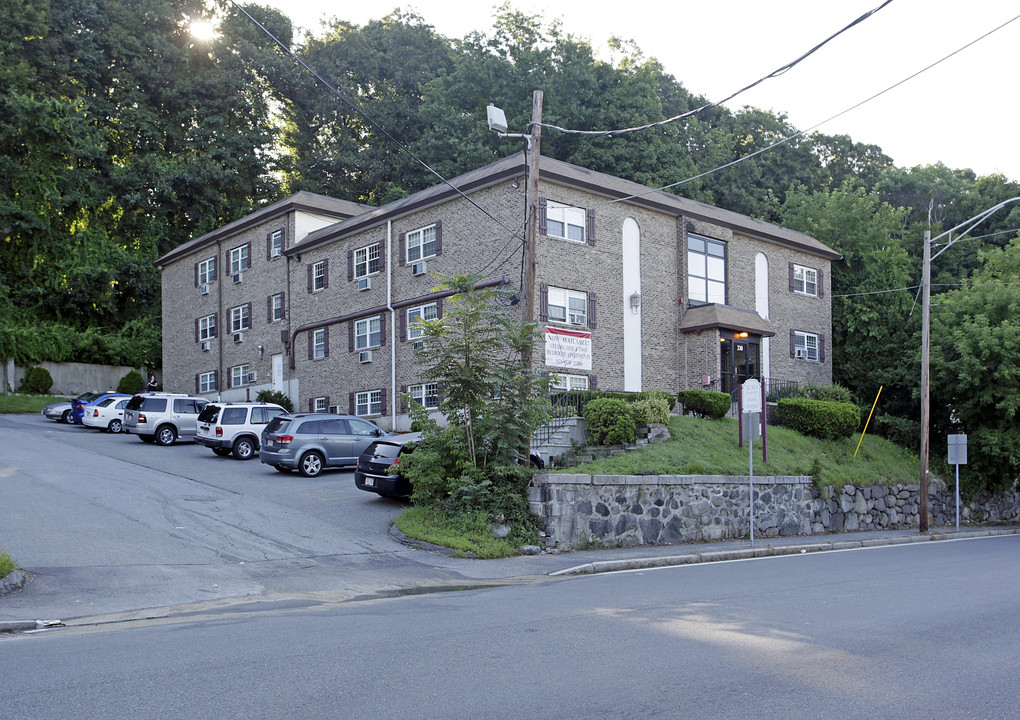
[{"x": 372, "y": 472}]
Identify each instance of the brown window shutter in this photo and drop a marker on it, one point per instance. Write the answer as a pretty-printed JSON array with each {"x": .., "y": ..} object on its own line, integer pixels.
[
  {"x": 382, "y": 259},
  {"x": 283, "y": 306},
  {"x": 196, "y": 330},
  {"x": 439, "y": 309},
  {"x": 382, "y": 330},
  {"x": 212, "y": 268},
  {"x": 821, "y": 348},
  {"x": 216, "y": 380},
  {"x": 590, "y": 229},
  {"x": 382, "y": 397},
  {"x": 791, "y": 277},
  {"x": 325, "y": 273},
  {"x": 821, "y": 284},
  {"x": 325, "y": 342},
  {"x": 543, "y": 216},
  {"x": 311, "y": 344},
  {"x": 309, "y": 277},
  {"x": 269, "y": 245},
  {"x": 196, "y": 274},
  {"x": 592, "y": 308},
  {"x": 439, "y": 237},
  {"x": 350, "y": 336},
  {"x": 402, "y": 249},
  {"x": 350, "y": 265},
  {"x": 593, "y": 382},
  {"x": 403, "y": 325},
  {"x": 269, "y": 309},
  {"x": 403, "y": 399},
  {"x": 311, "y": 404},
  {"x": 793, "y": 342},
  {"x": 197, "y": 387},
  {"x": 328, "y": 403},
  {"x": 543, "y": 303},
  {"x": 350, "y": 400},
  {"x": 249, "y": 316},
  {"x": 216, "y": 324}
]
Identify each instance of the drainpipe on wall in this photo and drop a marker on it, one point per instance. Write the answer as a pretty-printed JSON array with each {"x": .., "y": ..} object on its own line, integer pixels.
[{"x": 393, "y": 326}]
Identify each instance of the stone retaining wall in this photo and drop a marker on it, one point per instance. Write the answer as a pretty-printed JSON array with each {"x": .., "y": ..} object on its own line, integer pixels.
[{"x": 631, "y": 510}]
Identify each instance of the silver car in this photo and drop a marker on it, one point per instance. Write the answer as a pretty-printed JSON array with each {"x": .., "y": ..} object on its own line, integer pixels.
[
  {"x": 162, "y": 418},
  {"x": 313, "y": 442}
]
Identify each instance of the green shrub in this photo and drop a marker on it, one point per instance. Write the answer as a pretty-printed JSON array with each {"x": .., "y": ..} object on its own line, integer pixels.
[
  {"x": 819, "y": 418},
  {"x": 705, "y": 403},
  {"x": 37, "y": 380},
  {"x": 130, "y": 383},
  {"x": 652, "y": 410},
  {"x": 275, "y": 396},
  {"x": 832, "y": 393},
  {"x": 610, "y": 421}
]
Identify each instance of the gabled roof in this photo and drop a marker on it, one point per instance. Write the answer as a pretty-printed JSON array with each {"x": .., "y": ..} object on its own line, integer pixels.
[
  {"x": 302, "y": 200},
  {"x": 565, "y": 173},
  {"x": 725, "y": 317}
]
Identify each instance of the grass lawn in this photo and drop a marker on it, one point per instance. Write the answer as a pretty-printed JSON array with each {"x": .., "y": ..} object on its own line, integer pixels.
[
  {"x": 710, "y": 447},
  {"x": 26, "y": 403}
]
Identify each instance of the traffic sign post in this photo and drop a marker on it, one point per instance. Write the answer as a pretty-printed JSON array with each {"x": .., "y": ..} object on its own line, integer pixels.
[
  {"x": 751, "y": 407},
  {"x": 957, "y": 456}
]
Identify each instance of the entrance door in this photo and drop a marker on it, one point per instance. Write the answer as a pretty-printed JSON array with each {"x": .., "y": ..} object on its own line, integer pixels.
[{"x": 740, "y": 360}]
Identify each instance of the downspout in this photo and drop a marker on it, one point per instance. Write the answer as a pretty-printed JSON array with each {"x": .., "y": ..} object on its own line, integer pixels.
[
  {"x": 393, "y": 326},
  {"x": 221, "y": 377}
]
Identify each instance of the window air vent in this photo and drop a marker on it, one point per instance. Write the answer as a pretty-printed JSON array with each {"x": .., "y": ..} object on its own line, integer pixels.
[
  {"x": 365, "y": 356},
  {"x": 205, "y": 289},
  {"x": 418, "y": 268},
  {"x": 365, "y": 284},
  {"x": 238, "y": 337},
  {"x": 205, "y": 346}
]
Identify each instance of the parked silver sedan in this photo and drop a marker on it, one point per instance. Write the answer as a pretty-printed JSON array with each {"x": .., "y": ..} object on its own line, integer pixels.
[{"x": 61, "y": 411}]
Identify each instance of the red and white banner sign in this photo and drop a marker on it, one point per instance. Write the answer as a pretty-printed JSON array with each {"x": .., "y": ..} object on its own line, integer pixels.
[{"x": 568, "y": 348}]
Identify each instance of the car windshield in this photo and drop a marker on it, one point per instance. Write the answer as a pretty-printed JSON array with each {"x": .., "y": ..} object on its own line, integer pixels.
[
  {"x": 276, "y": 424},
  {"x": 383, "y": 449}
]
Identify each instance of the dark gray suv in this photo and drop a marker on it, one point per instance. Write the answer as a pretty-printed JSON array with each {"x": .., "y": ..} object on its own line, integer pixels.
[{"x": 313, "y": 442}]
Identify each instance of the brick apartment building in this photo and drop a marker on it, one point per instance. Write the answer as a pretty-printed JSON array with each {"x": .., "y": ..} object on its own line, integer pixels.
[{"x": 635, "y": 289}]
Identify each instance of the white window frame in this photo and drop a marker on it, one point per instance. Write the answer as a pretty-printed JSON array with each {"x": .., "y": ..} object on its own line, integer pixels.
[
  {"x": 319, "y": 344},
  {"x": 367, "y": 261},
  {"x": 567, "y": 301},
  {"x": 240, "y": 319},
  {"x": 239, "y": 375},
  {"x": 319, "y": 276},
  {"x": 429, "y": 311},
  {"x": 239, "y": 260},
  {"x": 566, "y": 222},
  {"x": 319, "y": 404},
  {"x": 207, "y": 271},
  {"x": 805, "y": 280},
  {"x": 706, "y": 270},
  {"x": 277, "y": 307},
  {"x": 808, "y": 343},
  {"x": 207, "y": 327},
  {"x": 422, "y": 394},
  {"x": 207, "y": 382},
  {"x": 276, "y": 244},
  {"x": 368, "y": 403},
  {"x": 418, "y": 242},
  {"x": 566, "y": 382},
  {"x": 367, "y": 330}
]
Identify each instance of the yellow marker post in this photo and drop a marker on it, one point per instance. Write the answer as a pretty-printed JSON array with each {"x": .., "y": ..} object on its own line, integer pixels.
[{"x": 869, "y": 419}]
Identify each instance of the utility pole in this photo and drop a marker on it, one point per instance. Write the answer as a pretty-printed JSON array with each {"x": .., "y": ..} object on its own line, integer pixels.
[
  {"x": 531, "y": 200},
  {"x": 922, "y": 523}
]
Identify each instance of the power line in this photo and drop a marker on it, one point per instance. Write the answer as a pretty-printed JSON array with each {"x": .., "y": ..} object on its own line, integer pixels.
[
  {"x": 816, "y": 125},
  {"x": 690, "y": 113}
]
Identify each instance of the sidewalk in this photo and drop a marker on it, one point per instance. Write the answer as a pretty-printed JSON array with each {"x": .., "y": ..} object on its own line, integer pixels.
[{"x": 416, "y": 571}]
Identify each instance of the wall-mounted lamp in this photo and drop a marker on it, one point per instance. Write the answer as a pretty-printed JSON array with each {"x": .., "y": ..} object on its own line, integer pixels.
[
  {"x": 635, "y": 302},
  {"x": 262, "y": 351},
  {"x": 742, "y": 335}
]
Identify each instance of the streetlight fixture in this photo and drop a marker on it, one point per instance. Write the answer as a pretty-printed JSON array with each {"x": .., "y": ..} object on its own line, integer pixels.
[{"x": 922, "y": 524}]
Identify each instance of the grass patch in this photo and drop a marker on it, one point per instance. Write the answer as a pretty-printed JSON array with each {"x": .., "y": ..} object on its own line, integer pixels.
[
  {"x": 466, "y": 535},
  {"x": 7, "y": 564},
  {"x": 26, "y": 403},
  {"x": 710, "y": 447}
]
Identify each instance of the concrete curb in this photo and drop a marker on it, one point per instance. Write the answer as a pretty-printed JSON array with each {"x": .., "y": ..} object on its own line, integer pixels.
[{"x": 771, "y": 551}]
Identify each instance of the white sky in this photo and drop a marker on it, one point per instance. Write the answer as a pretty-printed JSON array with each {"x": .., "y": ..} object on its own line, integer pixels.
[{"x": 964, "y": 112}]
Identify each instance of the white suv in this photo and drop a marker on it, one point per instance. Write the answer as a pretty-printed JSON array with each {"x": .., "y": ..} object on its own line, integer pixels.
[
  {"x": 162, "y": 417},
  {"x": 234, "y": 427}
]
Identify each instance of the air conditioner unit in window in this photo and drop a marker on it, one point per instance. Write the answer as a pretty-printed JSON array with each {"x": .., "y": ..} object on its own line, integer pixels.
[
  {"x": 419, "y": 345},
  {"x": 238, "y": 277},
  {"x": 205, "y": 346},
  {"x": 419, "y": 268},
  {"x": 238, "y": 337},
  {"x": 799, "y": 354},
  {"x": 205, "y": 289},
  {"x": 333, "y": 409},
  {"x": 365, "y": 284},
  {"x": 365, "y": 356},
  {"x": 252, "y": 377}
]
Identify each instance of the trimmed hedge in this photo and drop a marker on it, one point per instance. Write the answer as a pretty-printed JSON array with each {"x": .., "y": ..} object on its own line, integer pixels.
[
  {"x": 819, "y": 418},
  {"x": 710, "y": 404},
  {"x": 610, "y": 421},
  {"x": 37, "y": 380},
  {"x": 832, "y": 393},
  {"x": 580, "y": 398},
  {"x": 653, "y": 410}
]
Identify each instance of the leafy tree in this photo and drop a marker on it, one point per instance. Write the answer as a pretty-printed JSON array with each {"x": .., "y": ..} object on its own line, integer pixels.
[{"x": 975, "y": 368}]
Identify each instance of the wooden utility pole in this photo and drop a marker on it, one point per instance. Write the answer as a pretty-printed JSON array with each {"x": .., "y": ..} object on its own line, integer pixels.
[
  {"x": 531, "y": 200},
  {"x": 922, "y": 523}
]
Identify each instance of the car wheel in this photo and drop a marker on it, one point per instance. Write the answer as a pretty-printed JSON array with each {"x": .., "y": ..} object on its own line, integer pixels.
[
  {"x": 281, "y": 468},
  {"x": 222, "y": 452},
  {"x": 311, "y": 464},
  {"x": 166, "y": 435},
  {"x": 65, "y": 417},
  {"x": 114, "y": 426},
  {"x": 244, "y": 448}
]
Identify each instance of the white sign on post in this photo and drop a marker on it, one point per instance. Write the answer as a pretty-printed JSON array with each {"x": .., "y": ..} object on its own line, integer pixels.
[{"x": 750, "y": 396}]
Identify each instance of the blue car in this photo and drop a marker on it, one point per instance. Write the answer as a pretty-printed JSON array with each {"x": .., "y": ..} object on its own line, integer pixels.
[{"x": 78, "y": 405}]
